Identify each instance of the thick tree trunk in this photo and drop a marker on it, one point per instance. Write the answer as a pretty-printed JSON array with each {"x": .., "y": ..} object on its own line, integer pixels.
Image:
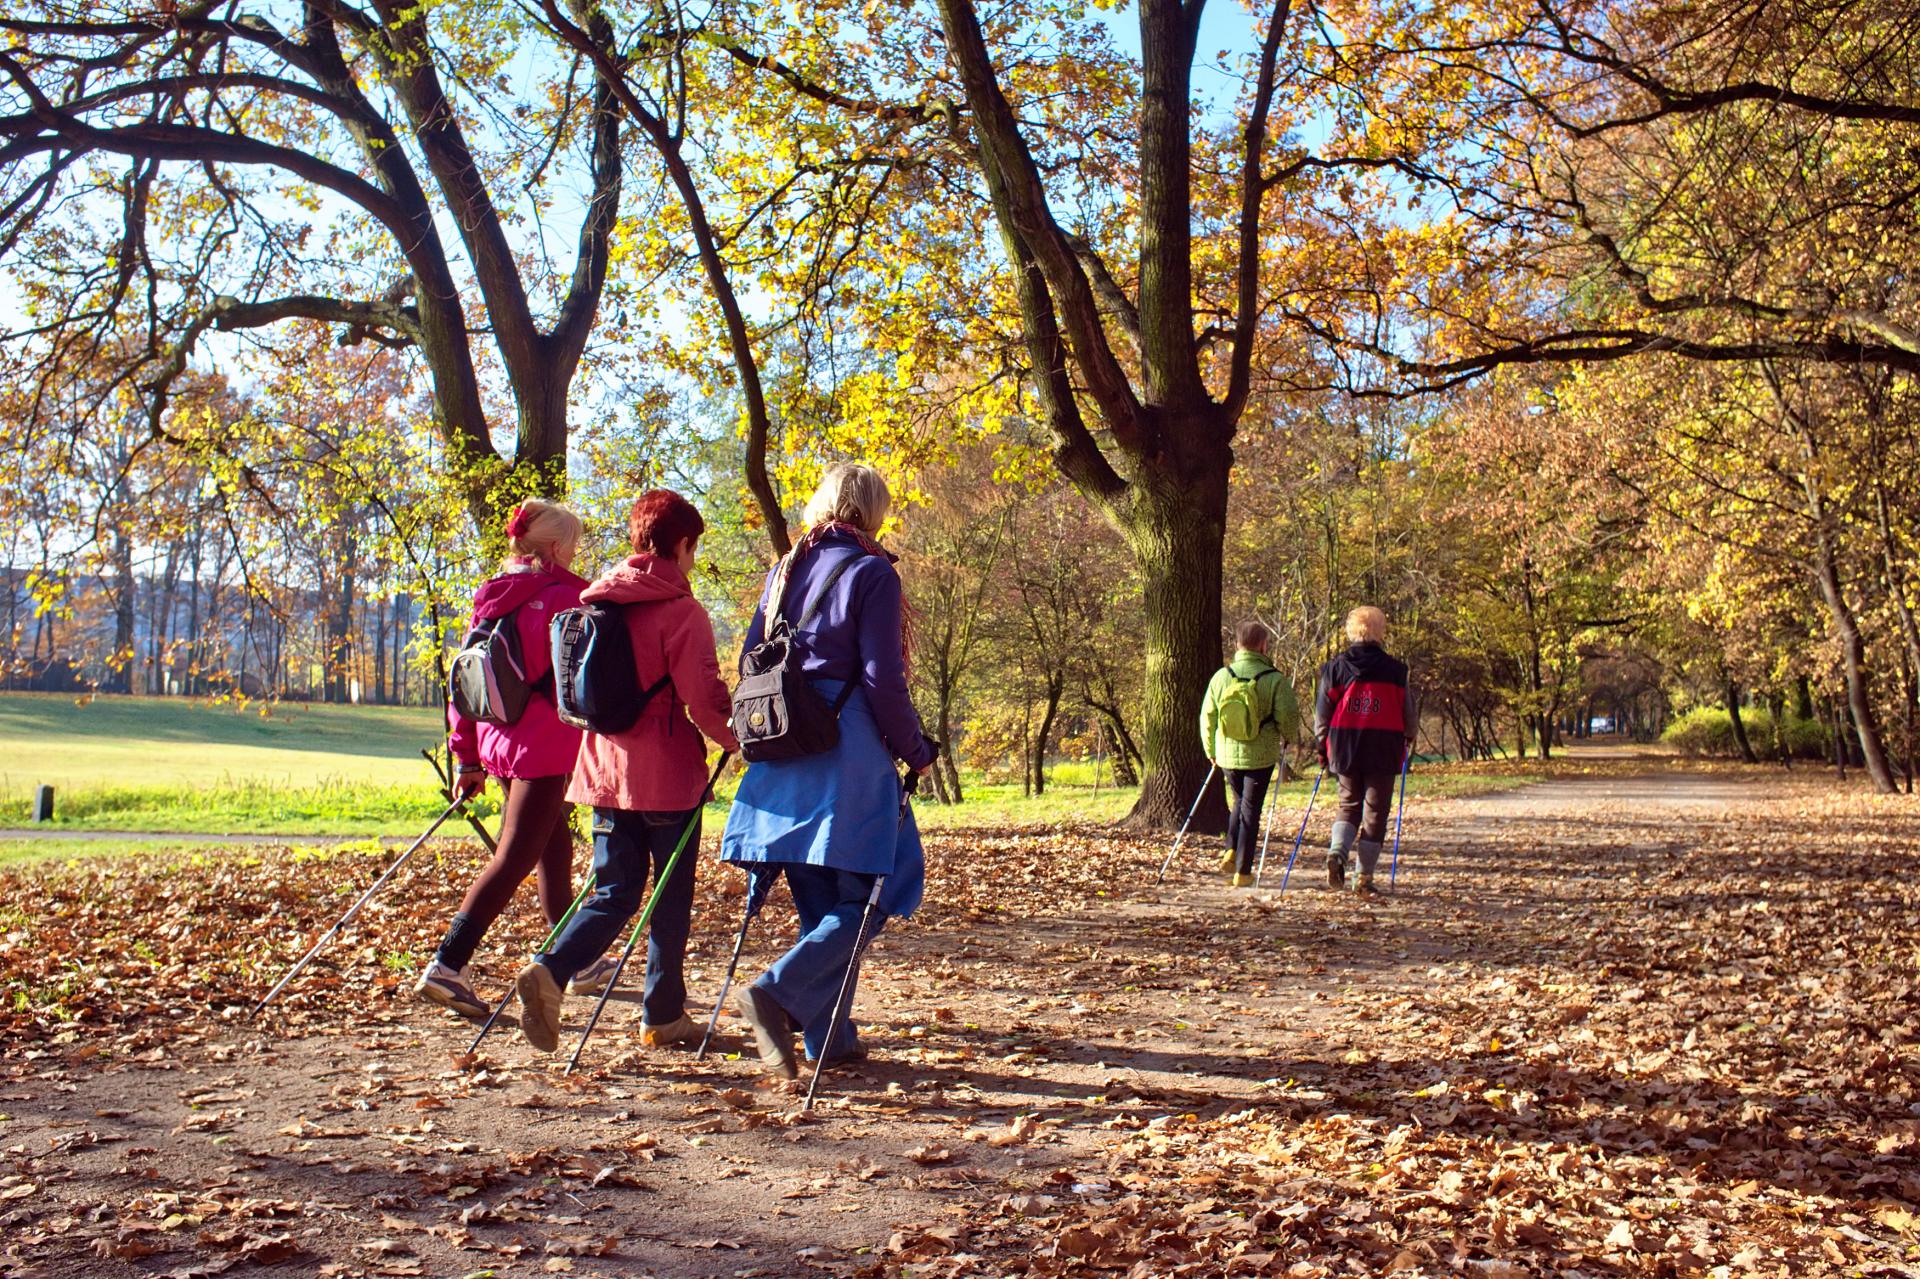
[
  {"x": 1178, "y": 536},
  {"x": 1739, "y": 725}
]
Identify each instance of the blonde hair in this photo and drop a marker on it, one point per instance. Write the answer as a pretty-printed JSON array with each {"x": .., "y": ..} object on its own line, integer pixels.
[
  {"x": 546, "y": 530},
  {"x": 852, "y": 493},
  {"x": 1366, "y": 625}
]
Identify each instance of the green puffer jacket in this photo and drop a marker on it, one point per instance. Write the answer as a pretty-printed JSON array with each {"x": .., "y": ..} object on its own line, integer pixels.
[{"x": 1280, "y": 719}]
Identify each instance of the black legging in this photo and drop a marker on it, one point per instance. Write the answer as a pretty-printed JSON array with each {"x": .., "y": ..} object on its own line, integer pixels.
[
  {"x": 535, "y": 835},
  {"x": 1247, "y": 792}
]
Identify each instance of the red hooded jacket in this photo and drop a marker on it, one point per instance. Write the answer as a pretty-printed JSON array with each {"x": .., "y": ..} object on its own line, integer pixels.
[
  {"x": 538, "y": 745},
  {"x": 660, "y": 764}
]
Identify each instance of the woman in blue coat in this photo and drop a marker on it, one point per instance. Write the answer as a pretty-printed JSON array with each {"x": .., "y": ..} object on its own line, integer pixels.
[{"x": 832, "y": 822}]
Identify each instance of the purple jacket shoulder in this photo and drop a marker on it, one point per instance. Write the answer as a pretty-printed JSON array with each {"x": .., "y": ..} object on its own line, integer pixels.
[{"x": 855, "y": 634}]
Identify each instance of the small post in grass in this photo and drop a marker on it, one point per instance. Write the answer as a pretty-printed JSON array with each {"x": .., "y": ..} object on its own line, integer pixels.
[{"x": 43, "y": 804}]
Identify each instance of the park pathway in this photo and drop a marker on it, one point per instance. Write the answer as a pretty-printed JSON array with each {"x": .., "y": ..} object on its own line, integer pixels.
[{"x": 1073, "y": 1068}]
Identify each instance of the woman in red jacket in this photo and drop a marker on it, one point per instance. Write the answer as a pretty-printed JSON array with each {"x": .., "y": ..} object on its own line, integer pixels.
[
  {"x": 532, "y": 757},
  {"x": 647, "y": 784}
]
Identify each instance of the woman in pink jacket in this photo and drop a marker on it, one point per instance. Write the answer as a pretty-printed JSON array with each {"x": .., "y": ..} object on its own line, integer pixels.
[
  {"x": 532, "y": 757},
  {"x": 647, "y": 784}
]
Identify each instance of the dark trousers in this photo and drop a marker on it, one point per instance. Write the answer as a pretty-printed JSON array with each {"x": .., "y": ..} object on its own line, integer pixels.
[
  {"x": 629, "y": 850},
  {"x": 1366, "y": 801},
  {"x": 535, "y": 835},
  {"x": 806, "y": 980},
  {"x": 1247, "y": 794}
]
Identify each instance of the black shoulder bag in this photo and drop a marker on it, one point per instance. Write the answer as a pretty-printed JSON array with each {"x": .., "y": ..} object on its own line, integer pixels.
[{"x": 776, "y": 713}]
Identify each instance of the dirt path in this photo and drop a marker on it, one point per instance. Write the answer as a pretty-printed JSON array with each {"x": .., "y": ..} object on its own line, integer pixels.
[{"x": 1074, "y": 1073}]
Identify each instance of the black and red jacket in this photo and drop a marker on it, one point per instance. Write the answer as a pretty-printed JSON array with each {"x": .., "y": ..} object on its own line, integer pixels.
[{"x": 1363, "y": 714}]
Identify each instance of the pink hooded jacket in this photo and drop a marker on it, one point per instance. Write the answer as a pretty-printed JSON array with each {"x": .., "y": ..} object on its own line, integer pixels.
[
  {"x": 538, "y": 745},
  {"x": 660, "y": 764}
]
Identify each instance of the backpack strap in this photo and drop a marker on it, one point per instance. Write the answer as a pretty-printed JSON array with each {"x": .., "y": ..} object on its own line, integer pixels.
[
  {"x": 826, "y": 588},
  {"x": 814, "y": 606},
  {"x": 1271, "y": 717}
]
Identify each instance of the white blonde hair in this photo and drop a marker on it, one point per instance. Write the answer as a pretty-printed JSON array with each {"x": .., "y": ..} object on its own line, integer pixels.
[
  {"x": 851, "y": 493},
  {"x": 1366, "y": 625},
  {"x": 550, "y": 530}
]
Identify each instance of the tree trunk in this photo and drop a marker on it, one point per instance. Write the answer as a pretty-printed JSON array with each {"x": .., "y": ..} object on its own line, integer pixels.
[
  {"x": 380, "y": 652},
  {"x": 1178, "y": 538},
  {"x": 1056, "y": 685},
  {"x": 1853, "y": 656},
  {"x": 1739, "y": 726},
  {"x": 946, "y": 772},
  {"x": 120, "y": 663}
]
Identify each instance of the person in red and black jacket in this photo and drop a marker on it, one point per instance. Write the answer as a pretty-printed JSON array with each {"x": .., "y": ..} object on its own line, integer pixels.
[{"x": 1365, "y": 722}]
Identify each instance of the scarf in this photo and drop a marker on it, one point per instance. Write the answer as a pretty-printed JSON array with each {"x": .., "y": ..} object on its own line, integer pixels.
[{"x": 864, "y": 540}]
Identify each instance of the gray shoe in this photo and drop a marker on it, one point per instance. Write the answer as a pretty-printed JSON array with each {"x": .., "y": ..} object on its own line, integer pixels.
[
  {"x": 593, "y": 979},
  {"x": 1363, "y": 886},
  {"x": 448, "y": 988},
  {"x": 772, "y": 1032},
  {"x": 539, "y": 1007}
]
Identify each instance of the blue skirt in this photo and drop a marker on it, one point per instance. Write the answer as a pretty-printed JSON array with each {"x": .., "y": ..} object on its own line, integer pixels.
[{"x": 839, "y": 809}]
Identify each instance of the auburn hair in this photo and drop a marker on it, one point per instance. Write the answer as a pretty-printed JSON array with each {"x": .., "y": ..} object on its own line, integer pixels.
[{"x": 660, "y": 520}]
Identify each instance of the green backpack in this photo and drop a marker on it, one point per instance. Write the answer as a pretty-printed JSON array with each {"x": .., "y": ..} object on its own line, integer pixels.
[{"x": 1241, "y": 718}]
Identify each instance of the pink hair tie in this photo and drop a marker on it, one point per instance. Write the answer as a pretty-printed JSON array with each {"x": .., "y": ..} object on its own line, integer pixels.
[{"x": 518, "y": 522}]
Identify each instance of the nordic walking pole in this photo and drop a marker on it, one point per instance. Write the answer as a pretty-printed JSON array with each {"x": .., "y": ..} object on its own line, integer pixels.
[
  {"x": 1212, "y": 768},
  {"x": 446, "y": 788},
  {"x": 756, "y": 898},
  {"x": 646, "y": 916},
  {"x": 1297, "y": 839},
  {"x": 853, "y": 961},
  {"x": 846, "y": 988},
  {"x": 1399, "y": 815},
  {"x": 354, "y": 909},
  {"x": 514, "y": 989}
]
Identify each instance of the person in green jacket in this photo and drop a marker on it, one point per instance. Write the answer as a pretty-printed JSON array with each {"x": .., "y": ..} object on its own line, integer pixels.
[{"x": 1247, "y": 720}]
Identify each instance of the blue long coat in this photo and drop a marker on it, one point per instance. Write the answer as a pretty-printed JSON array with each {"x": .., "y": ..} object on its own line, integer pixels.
[{"x": 842, "y": 809}]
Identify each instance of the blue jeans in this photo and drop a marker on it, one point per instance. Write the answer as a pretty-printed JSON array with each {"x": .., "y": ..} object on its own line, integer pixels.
[
  {"x": 628, "y": 849},
  {"x": 806, "y": 980}
]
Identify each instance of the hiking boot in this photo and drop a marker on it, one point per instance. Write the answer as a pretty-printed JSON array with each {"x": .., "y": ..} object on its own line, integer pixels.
[
  {"x": 448, "y": 988},
  {"x": 1336, "y": 870},
  {"x": 772, "y": 1030},
  {"x": 1227, "y": 860},
  {"x": 539, "y": 1006},
  {"x": 1242, "y": 880},
  {"x": 1363, "y": 886},
  {"x": 683, "y": 1030},
  {"x": 593, "y": 979}
]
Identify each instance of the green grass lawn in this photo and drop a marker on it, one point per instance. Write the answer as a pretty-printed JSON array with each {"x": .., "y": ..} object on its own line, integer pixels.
[
  {"x": 170, "y": 764},
  {"x": 185, "y": 768}
]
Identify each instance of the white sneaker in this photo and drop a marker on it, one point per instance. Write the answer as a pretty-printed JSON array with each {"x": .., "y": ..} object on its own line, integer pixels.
[
  {"x": 448, "y": 988},
  {"x": 593, "y": 979}
]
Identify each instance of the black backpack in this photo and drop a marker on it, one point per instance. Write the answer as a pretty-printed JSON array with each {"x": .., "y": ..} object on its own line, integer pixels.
[
  {"x": 595, "y": 684},
  {"x": 776, "y": 713}
]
